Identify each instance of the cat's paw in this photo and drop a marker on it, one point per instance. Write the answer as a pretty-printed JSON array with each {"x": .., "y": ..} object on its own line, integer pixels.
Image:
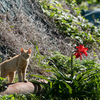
[{"x": 25, "y": 80}]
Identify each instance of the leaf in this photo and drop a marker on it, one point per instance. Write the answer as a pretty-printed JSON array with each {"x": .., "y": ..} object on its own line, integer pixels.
[
  {"x": 41, "y": 77},
  {"x": 68, "y": 86},
  {"x": 12, "y": 26},
  {"x": 52, "y": 14}
]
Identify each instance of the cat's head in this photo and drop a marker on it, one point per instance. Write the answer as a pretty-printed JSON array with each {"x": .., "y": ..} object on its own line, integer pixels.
[{"x": 25, "y": 54}]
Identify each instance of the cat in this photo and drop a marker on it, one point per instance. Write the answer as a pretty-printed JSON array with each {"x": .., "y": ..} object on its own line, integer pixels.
[{"x": 17, "y": 63}]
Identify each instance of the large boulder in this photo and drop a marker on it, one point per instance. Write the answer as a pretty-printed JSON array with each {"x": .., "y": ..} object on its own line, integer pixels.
[{"x": 22, "y": 88}]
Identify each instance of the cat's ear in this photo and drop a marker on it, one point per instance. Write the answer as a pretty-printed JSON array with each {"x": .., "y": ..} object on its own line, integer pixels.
[
  {"x": 22, "y": 50},
  {"x": 29, "y": 51}
]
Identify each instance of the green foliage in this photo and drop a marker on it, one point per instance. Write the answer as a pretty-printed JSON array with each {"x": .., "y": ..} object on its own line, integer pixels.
[
  {"x": 0, "y": 21},
  {"x": 88, "y": 1},
  {"x": 1, "y": 79},
  {"x": 2, "y": 87},
  {"x": 40, "y": 60},
  {"x": 84, "y": 84},
  {"x": 63, "y": 63},
  {"x": 88, "y": 4},
  {"x": 71, "y": 25},
  {"x": 20, "y": 97}
]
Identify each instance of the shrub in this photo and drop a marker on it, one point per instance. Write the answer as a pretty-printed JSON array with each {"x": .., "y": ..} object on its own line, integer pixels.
[{"x": 84, "y": 84}]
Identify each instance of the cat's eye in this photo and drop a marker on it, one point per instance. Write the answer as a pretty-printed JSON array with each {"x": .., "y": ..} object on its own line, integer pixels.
[
  {"x": 23, "y": 55},
  {"x": 26, "y": 56}
]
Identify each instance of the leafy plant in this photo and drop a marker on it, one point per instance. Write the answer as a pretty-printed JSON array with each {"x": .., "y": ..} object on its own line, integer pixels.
[
  {"x": 71, "y": 25},
  {"x": 20, "y": 97},
  {"x": 2, "y": 87},
  {"x": 84, "y": 84}
]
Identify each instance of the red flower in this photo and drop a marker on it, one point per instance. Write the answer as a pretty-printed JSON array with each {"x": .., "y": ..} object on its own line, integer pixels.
[{"x": 81, "y": 50}]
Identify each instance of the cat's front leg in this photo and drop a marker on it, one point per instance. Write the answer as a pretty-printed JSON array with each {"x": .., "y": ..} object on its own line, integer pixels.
[
  {"x": 24, "y": 75},
  {"x": 19, "y": 75}
]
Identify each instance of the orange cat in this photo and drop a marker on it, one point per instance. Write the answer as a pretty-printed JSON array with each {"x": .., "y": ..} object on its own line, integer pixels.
[{"x": 19, "y": 63}]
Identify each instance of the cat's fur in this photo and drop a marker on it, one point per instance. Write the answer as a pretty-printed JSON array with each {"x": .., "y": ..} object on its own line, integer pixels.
[{"x": 19, "y": 63}]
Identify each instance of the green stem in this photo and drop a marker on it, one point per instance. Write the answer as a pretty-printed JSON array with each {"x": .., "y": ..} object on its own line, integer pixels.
[{"x": 72, "y": 66}]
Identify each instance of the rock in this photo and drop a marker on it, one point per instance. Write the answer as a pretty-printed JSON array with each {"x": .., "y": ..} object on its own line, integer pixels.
[{"x": 22, "y": 88}]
